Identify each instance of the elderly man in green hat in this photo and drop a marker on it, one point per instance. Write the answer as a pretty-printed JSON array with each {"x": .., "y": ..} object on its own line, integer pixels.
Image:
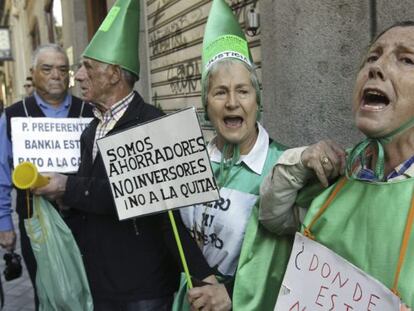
[{"x": 134, "y": 264}]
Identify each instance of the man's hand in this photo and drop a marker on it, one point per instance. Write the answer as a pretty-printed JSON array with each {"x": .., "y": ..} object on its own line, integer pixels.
[
  {"x": 55, "y": 188},
  {"x": 326, "y": 158},
  {"x": 8, "y": 240},
  {"x": 209, "y": 298},
  {"x": 404, "y": 307}
]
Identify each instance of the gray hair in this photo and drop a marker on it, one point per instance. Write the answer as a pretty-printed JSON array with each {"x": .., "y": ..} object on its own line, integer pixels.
[
  {"x": 48, "y": 46},
  {"x": 407, "y": 23},
  {"x": 205, "y": 82},
  {"x": 129, "y": 77}
]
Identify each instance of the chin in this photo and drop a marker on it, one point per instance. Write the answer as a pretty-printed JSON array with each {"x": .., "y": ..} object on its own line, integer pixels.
[
  {"x": 85, "y": 97},
  {"x": 373, "y": 132},
  {"x": 232, "y": 140}
]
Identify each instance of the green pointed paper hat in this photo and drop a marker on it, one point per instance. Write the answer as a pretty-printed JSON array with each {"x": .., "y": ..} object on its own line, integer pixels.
[
  {"x": 223, "y": 37},
  {"x": 116, "y": 41}
]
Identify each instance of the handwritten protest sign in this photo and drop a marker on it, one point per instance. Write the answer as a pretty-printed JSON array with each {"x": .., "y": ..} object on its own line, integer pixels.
[
  {"x": 52, "y": 144},
  {"x": 158, "y": 166},
  {"x": 318, "y": 279}
]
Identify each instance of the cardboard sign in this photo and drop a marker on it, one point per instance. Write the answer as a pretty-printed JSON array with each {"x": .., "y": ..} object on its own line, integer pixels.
[
  {"x": 220, "y": 226},
  {"x": 318, "y": 279},
  {"x": 52, "y": 144},
  {"x": 159, "y": 165}
]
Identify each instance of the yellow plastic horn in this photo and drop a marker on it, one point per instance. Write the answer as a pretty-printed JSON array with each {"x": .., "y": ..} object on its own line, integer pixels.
[{"x": 26, "y": 176}]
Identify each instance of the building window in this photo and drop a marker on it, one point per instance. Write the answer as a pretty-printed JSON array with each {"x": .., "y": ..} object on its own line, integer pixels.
[
  {"x": 53, "y": 15},
  {"x": 96, "y": 11},
  {"x": 35, "y": 36}
]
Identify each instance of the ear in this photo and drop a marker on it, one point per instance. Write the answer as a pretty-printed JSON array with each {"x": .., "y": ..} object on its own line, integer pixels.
[
  {"x": 31, "y": 71},
  {"x": 116, "y": 74}
]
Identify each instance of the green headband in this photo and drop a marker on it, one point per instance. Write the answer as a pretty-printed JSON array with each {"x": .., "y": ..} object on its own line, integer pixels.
[{"x": 228, "y": 46}]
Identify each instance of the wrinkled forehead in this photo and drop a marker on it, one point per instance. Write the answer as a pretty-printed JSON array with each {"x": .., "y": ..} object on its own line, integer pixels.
[
  {"x": 396, "y": 37},
  {"x": 229, "y": 66},
  {"x": 92, "y": 63},
  {"x": 53, "y": 57}
]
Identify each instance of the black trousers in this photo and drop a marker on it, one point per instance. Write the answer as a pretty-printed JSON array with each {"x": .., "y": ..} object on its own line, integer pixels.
[
  {"x": 158, "y": 304},
  {"x": 28, "y": 258}
]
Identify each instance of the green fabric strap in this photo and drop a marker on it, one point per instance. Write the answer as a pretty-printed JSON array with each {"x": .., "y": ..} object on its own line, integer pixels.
[
  {"x": 359, "y": 151},
  {"x": 226, "y": 166}
]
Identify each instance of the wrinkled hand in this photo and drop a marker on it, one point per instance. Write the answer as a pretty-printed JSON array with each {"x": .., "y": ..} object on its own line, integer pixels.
[
  {"x": 326, "y": 158},
  {"x": 404, "y": 307},
  {"x": 209, "y": 298},
  {"x": 55, "y": 188},
  {"x": 8, "y": 240}
]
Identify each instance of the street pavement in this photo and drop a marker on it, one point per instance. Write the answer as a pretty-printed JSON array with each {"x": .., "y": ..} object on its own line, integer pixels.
[{"x": 19, "y": 292}]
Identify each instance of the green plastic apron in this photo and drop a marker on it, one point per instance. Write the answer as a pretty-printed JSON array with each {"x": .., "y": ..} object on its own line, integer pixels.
[
  {"x": 244, "y": 180},
  {"x": 365, "y": 223},
  {"x": 262, "y": 265}
]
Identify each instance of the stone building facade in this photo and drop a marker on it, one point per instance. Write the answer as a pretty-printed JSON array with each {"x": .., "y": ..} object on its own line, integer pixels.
[{"x": 307, "y": 53}]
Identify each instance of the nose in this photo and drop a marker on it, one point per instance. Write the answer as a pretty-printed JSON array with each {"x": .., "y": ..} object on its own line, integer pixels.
[
  {"x": 80, "y": 73},
  {"x": 55, "y": 73},
  {"x": 232, "y": 101},
  {"x": 376, "y": 72}
]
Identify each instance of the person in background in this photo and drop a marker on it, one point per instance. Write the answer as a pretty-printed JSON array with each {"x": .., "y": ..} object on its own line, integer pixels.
[
  {"x": 372, "y": 206},
  {"x": 29, "y": 86},
  {"x": 132, "y": 264},
  {"x": 241, "y": 155},
  {"x": 50, "y": 72}
]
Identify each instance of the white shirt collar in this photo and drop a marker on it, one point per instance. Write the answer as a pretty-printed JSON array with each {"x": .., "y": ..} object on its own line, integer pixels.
[{"x": 255, "y": 159}]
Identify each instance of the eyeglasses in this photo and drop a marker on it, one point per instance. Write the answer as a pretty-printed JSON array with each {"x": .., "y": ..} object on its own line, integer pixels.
[{"x": 27, "y": 85}]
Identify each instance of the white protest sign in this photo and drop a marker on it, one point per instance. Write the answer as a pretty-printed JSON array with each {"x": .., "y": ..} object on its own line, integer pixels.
[
  {"x": 318, "y": 279},
  {"x": 159, "y": 165},
  {"x": 52, "y": 144}
]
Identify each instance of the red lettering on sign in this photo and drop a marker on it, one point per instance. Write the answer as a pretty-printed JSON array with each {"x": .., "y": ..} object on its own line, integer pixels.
[
  {"x": 357, "y": 291},
  {"x": 371, "y": 303},
  {"x": 313, "y": 266},
  {"x": 320, "y": 295},
  {"x": 338, "y": 276},
  {"x": 333, "y": 302},
  {"x": 326, "y": 270},
  {"x": 296, "y": 306}
]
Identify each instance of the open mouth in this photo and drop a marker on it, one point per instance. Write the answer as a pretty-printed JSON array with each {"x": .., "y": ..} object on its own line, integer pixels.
[
  {"x": 374, "y": 99},
  {"x": 233, "y": 121}
]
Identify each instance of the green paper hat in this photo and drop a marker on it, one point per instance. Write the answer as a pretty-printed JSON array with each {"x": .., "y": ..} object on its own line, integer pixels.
[
  {"x": 223, "y": 38},
  {"x": 116, "y": 41}
]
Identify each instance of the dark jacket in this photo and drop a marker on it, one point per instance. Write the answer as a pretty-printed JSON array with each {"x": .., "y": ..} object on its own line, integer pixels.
[
  {"x": 30, "y": 108},
  {"x": 132, "y": 259}
]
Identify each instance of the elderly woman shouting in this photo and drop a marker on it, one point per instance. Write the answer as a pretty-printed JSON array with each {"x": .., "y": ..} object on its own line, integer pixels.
[
  {"x": 241, "y": 155},
  {"x": 372, "y": 207}
]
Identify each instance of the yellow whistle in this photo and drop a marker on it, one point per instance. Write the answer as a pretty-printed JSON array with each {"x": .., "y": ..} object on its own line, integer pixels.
[{"x": 26, "y": 176}]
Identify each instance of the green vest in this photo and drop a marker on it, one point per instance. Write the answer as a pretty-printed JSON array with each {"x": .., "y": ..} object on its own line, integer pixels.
[
  {"x": 262, "y": 264},
  {"x": 365, "y": 224},
  {"x": 242, "y": 179}
]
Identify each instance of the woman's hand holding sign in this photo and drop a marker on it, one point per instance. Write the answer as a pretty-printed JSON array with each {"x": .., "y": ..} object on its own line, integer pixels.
[{"x": 212, "y": 297}]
